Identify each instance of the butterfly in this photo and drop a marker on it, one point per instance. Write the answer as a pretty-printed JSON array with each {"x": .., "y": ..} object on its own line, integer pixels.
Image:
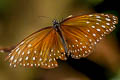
[{"x": 75, "y": 36}]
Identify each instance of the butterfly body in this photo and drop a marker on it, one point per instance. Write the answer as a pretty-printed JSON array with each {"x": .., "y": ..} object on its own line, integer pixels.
[
  {"x": 75, "y": 36},
  {"x": 56, "y": 26}
]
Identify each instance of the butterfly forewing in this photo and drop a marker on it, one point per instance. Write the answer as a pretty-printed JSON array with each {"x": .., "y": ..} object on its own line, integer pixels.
[
  {"x": 83, "y": 32},
  {"x": 42, "y": 48}
]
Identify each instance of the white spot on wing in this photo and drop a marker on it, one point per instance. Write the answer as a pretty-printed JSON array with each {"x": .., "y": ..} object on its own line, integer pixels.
[
  {"x": 93, "y": 26},
  {"x": 35, "y": 51},
  {"x": 26, "y": 58},
  {"x": 23, "y": 53},
  {"x": 29, "y": 45},
  {"x": 87, "y": 22},
  {"x": 98, "y": 19},
  {"x": 107, "y": 19},
  {"x": 97, "y": 23},
  {"x": 12, "y": 58},
  {"x": 90, "y": 15},
  {"x": 102, "y": 26},
  {"x": 94, "y": 34},
  {"x": 19, "y": 52},
  {"x": 98, "y": 30},
  {"x": 90, "y": 40},
  {"x": 28, "y": 52},
  {"x": 51, "y": 50},
  {"x": 97, "y": 16},
  {"x": 15, "y": 60},
  {"x": 17, "y": 49},
  {"x": 20, "y": 59},
  {"x": 107, "y": 23},
  {"x": 76, "y": 40},
  {"x": 40, "y": 59},
  {"x": 88, "y": 30}
]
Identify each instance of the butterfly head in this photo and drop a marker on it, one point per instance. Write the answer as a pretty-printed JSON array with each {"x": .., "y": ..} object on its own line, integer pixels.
[{"x": 55, "y": 23}]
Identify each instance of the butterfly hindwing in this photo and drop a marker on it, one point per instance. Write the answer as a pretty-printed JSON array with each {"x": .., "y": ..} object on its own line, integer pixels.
[{"x": 83, "y": 32}]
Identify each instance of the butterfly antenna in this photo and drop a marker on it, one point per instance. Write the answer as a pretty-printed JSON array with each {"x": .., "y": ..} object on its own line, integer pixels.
[{"x": 44, "y": 17}]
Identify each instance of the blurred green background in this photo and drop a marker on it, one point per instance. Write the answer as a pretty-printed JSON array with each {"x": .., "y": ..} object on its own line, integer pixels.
[{"x": 19, "y": 18}]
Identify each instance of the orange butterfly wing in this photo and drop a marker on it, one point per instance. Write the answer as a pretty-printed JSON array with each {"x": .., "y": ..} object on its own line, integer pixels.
[
  {"x": 42, "y": 48},
  {"x": 82, "y": 33}
]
